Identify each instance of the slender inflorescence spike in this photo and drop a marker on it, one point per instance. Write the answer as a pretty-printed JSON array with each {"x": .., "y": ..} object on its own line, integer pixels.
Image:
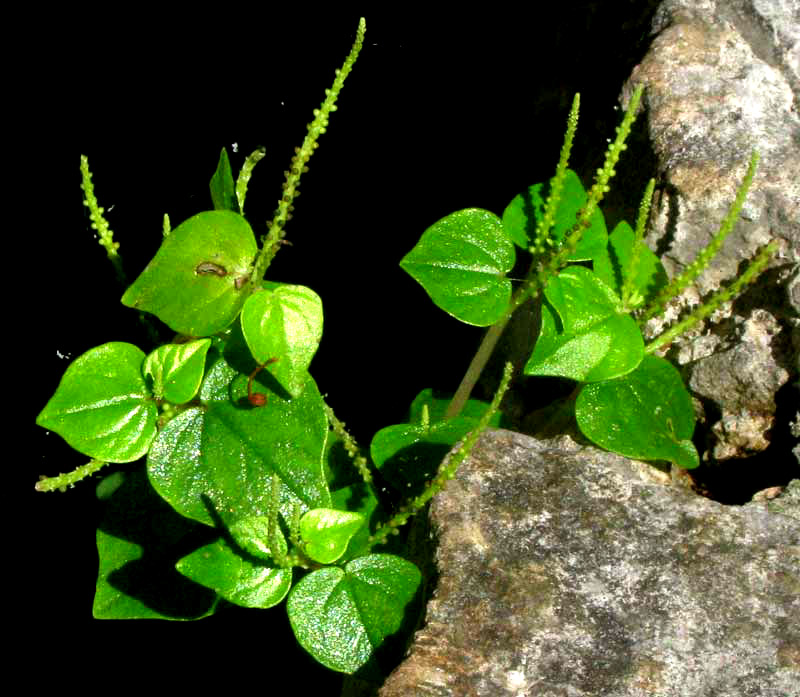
[
  {"x": 302, "y": 155},
  {"x": 244, "y": 175},
  {"x": 693, "y": 270},
  {"x": 350, "y": 446},
  {"x": 99, "y": 223},
  {"x": 723, "y": 295},
  {"x": 599, "y": 189},
  {"x": 542, "y": 235},
  {"x": 62, "y": 481},
  {"x": 629, "y": 300}
]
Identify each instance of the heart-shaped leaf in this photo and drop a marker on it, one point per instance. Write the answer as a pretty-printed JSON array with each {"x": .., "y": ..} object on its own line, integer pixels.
[
  {"x": 102, "y": 407},
  {"x": 285, "y": 322},
  {"x": 341, "y": 616},
  {"x": 526, "y": 210},
  {"x": 177, "y": 370},
  {"x": 461, "y": 262},
  {"x": 245, "y": 582},
  {"x": 326, "y": 532},
  {"x": 589, "y": 339},
  {"x": 199, "y": 278},
  {"x": 647, "y": 414},
  {"x": 613, "y": 266},
  {"x": 215, "y": 461}
]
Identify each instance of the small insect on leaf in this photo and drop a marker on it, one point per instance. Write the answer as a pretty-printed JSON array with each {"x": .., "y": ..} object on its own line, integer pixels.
[
  {"x": 258, "y": 399},
  {"x": 205, "y": 268}
]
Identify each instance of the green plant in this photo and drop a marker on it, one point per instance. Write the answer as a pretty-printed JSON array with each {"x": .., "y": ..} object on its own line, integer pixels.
[
  {"x": 627, "y": 400},
  {"x": 253, "y": 490},
  {"x": 239, "y": 441}
]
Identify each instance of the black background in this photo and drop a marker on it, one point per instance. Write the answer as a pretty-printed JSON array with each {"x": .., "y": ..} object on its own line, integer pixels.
[{"x": 438, "y": 114}]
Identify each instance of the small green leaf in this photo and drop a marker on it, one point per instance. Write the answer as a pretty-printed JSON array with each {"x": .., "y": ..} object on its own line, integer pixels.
[
  {"x": 613, "y": 265},
  {"x": 358, "y": 498},
  {"x": 461, "y": 262},
  {"x": 177, "y": 370},
  {"x": 584, "y": 336},
  {"x": 341, "y": 617},
  {"x": 327, "y": 532},
  {"x": 245, "y": 582},
  {"x": 102, "y": 407},
  {"x": 223, "y": 194},
  {"x": 197, "y": 281},
  {"x": 522, "y": 215},
  {"x": 647, "y": 414},
  {"x": 284, "y": 321}
]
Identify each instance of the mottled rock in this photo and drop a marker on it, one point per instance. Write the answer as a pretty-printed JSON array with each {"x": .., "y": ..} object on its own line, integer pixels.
[
  {"x": 569, "y": 571},
  {"x": 723, "y": 79}
]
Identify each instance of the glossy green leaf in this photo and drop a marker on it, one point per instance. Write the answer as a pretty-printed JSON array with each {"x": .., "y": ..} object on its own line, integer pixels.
[
  {"x": 177, "y": 370},
  {"x": 613, "y": 266},
  {"x": 461, "y": 262},
  {"x": 139, "y": 540},
  {"x": 326, "y": 532},
  {"x": 252, "y": 535},
  {"x": 223, "y": 191},
  {"x": 587, "y": 338},
  {"x": 342, "y": 616},
  {"x": 198, "y": 280},
  {"x": 245, "y": 582},
  {"x": 284, "y": 321},
  {"x": 358, "y": 498},
  {"x": 215, "y": 461},
  {"x": 522, "y": 215},
  {"x": 102, "y": 407},
  {"x": 647, "y": 414}
]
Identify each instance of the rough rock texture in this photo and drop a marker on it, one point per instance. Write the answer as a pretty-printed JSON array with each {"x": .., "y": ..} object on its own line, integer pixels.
[
  {"x": 722, "y": 78},
  {"x": 568, "y": 571}
]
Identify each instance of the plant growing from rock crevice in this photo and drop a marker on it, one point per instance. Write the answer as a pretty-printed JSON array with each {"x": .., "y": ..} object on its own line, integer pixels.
[{"x": 239, "y": 443}]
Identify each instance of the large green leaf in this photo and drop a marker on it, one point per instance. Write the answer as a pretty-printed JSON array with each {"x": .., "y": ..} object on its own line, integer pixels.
[
  {"x": 177, "y": 369},
  {"x": 526, "y": 210},
  {"x": 342, "y": 616},
  {"x": 139, "y": 540},
  {"x": 102, "y": 407},
  {"x": 199, "y": 278},
  {"x": 613, "y": 266},
  {"x": 285, "y": 322},
  {"x": 647, "y": 414},
  {"x": 584, "y": 335},
  {"x": 461, "y": 262},
  {"x": 437, "y": 406},
  {"x": 215, "y": 461}
]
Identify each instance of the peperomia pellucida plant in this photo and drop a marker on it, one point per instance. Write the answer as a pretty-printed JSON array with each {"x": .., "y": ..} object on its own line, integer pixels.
[{"x": 240, "y": 443}]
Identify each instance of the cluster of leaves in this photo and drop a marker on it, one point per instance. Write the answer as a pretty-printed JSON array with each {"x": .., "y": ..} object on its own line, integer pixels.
[
  {"x": 249, "y": 496},
  {"x": 627, "y": 400}
]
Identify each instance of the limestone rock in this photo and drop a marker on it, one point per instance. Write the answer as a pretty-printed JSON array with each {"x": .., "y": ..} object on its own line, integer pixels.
[
  {"x": 566, "y": 570},
  {"x": 723, "y": 79}
]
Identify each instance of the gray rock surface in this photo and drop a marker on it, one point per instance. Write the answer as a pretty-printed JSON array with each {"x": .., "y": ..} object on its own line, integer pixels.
[
  {"x": 569, "y": 571},
  {"x": 723, "y": 79}
]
